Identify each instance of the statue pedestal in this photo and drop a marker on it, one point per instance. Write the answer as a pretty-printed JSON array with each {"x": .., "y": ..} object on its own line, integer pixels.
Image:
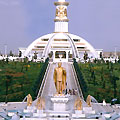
[
  {"x": 78, "y": 114},
  {"x": 29, "y": 109},
  {"x": 88, "y": 110},
  {"x": 59, "y": 103},
  {"x": 39, "y": 113},
  {"x": 59, "y": 106}
]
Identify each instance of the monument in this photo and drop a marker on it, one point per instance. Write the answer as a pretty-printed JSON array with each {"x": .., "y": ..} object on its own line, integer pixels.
[
  {"x": 29, "y": 108},
  {"x": 59, "y": 99},
  {"x": 60, "y": 42},
  {"x": 62, "y": 46},
  {"x": 88, "y": 101},
  {"x": 60, "y": 78},
  {"x": 29, "y": 100},
  {"x": 88, "y": 109},
  {"x": 40, "y": 104},
  {"x": 78, "y": 106}
]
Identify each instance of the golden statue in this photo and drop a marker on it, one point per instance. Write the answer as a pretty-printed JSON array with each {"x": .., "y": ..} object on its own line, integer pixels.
[
  {"x": 29, "y": 100},
  {"x": 88, "y": 101},
  {"x": 60, "y": 78},
  {"x": 40, "y": 104},
  {"x": 78, "y": 104},
  {"x": 65, "y": 12}
]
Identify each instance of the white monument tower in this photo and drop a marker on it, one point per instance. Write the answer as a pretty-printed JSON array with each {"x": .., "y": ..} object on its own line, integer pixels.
[{"x": 60, "y": 45}]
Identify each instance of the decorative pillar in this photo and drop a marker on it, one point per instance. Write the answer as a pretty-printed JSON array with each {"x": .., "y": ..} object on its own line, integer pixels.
[
  {"x": 61, "y": 20},
  {"x": 54, "y": 56},
  {"x": 67, "y": 55}
]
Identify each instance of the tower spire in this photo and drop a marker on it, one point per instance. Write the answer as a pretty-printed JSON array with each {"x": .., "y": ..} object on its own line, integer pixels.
[
  {"x": 61, "y": 20},
  {"x": 61, "y": 0}
]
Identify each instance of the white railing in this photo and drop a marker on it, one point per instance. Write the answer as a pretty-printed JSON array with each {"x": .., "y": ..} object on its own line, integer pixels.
[
  {"x": 43, "y": 82},
  {"x": 77, "y": 82}
]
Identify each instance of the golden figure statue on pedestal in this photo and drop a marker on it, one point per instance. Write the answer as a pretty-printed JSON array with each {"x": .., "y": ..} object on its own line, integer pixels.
[
  {"x": 88, "y": 101},
  {"x": 40, "y": 104},
  {"x": 78, "y": 104},
  {"x": 60, "y": 78},
  {"x": 29, "y": 100}
]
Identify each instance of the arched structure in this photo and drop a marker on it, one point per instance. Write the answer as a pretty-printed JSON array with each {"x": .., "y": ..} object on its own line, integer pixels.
[{"x": 60, "y": 45}]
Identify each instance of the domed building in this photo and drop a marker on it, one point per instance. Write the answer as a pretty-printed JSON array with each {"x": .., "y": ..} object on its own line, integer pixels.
[{"x": 60, "y": 45}]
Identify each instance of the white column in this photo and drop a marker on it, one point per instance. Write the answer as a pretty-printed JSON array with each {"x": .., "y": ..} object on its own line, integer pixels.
[
  {"x": 61, "y": 26},
  {"x": 67, "y": 56},
  {"x": 53, "y": 56}
]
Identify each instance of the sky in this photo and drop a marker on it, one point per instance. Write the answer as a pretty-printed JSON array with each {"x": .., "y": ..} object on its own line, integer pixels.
[{"x": 23, "y": 21}]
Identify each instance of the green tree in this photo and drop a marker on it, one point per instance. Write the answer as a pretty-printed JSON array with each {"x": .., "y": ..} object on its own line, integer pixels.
[
  {"x": 115, "y": 85},
  {"x": 26, "y": 60},
  {"x": 85, "y": 56},
  {"x": 102, "y": 78},
  {"x": 101, "y": 55},
  {"x": 35, "y": 55},
  {"x": 20, "y": 54},
  {"x": 7, "y": 60},
  {"x": 11, "y": 54},
  {"x": 119, "y": 59},
  {"x": 93, "y": 78},
  {"x": 7, "y": 84}
]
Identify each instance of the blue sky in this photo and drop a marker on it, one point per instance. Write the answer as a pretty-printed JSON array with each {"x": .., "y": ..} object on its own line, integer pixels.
[{"x": 23, "y": 21}]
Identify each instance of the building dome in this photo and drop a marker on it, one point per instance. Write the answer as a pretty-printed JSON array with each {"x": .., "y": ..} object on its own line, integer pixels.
[{"x": 60, "y": 45}]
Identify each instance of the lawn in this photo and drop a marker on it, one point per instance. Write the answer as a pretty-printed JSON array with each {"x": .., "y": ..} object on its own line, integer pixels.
[
  {"x": 17, "y": 79},
  {"x": 102, "y": 80}
]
